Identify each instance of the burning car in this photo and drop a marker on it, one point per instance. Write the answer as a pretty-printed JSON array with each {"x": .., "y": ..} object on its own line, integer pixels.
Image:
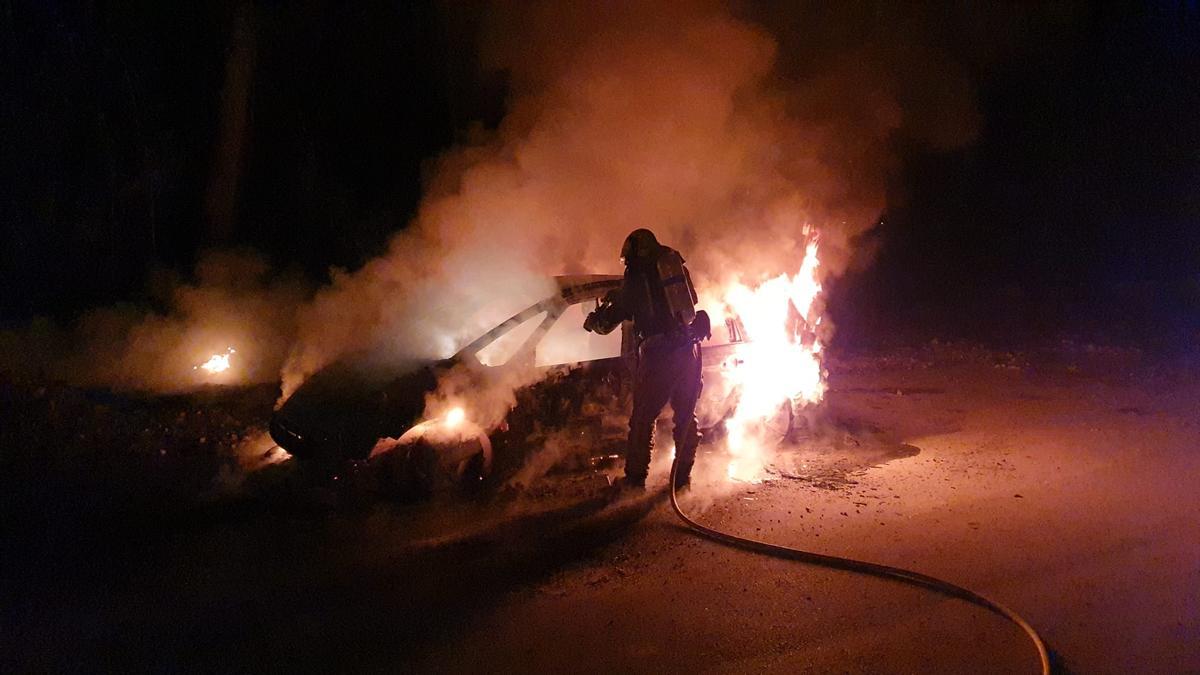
[
  {"x": 363, "y": 408},
  {"x": 343, "y": 411}
]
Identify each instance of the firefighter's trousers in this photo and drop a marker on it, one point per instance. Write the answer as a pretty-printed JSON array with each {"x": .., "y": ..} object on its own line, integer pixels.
[{"x": 668, "y": 371}]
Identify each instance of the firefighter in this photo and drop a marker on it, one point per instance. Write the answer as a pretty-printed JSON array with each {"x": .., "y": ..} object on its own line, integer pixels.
[{"x": 657, "y": 296}]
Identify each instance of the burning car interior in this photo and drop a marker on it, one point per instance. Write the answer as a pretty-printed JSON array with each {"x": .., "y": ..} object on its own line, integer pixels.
[{"x": 689, "y": 336}]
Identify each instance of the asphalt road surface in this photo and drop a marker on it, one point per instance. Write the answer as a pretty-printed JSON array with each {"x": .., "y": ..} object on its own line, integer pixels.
[
  {"x": 1062, "y": 485},
  {"x": 1066, "y": 492}
]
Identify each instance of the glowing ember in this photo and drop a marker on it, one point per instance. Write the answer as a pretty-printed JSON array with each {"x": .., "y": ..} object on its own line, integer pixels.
[
  {"x": 455, "y": 417},
  {"x": 257, "y": 450},
  {"x": 779, "y": 365},
  {"x": 217, "y": 363},
  {"x": 276, "y": 455}
]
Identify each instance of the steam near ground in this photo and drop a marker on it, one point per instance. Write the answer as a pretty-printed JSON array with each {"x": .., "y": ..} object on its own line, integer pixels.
[{"x": 725, "y": 134}]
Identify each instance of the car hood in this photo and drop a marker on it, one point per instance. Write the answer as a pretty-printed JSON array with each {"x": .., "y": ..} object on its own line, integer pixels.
[{"x": 344, "y": 408}]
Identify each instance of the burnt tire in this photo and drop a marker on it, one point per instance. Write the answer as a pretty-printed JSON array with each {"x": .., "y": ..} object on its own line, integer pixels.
[
  {"x": 779, "y": 427},
  {"x": 414, "y": 471},
  {"x": 408, "y": 473}
]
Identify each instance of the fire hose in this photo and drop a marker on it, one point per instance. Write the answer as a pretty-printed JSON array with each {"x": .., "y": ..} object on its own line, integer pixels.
[{"x": 862, "y": 567}]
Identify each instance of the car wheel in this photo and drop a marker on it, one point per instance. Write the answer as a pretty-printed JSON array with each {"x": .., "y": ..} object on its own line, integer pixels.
[
  {"x": 419, "y": 464},
  {"x": 779, "y": 426}
]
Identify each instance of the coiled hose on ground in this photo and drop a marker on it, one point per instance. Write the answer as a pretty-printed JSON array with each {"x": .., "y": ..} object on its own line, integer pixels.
[{"x": 862, "y": 567}]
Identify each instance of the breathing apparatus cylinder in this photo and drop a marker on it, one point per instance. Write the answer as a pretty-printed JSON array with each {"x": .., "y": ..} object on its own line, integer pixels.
[{"x": 677, "y": 287}]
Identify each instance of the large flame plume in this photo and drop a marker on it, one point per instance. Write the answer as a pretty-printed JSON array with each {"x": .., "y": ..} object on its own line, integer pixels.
[{"x": 777, "y": 370}]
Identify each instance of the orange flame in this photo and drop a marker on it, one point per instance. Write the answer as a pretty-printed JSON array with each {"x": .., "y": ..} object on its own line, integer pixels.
[
  {"x": 217, "y": 363},
  {"x": 779, "y": 365},
  {"x": 455, "y": 417}
]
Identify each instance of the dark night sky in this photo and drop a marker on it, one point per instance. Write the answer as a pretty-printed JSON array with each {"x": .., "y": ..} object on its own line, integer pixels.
[{"x": 1078, "y": 207}]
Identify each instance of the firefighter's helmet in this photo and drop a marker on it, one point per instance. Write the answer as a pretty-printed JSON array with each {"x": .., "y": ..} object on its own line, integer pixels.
[{"x": 639, "y": 245}]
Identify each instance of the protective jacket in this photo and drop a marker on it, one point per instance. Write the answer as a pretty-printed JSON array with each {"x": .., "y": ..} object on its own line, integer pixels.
[{"x": 656, "y": 294}]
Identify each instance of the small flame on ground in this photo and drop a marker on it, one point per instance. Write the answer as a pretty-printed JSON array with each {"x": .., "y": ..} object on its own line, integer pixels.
[
  {"x": 779, "y": 365},
  {"x": 217, "y": 363}
]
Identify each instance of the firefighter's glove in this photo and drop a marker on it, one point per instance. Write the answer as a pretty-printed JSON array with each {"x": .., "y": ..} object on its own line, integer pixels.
[
  {"x": 600, "y": 321},
  {"x": 590, "y": 324},
  {"x": 701, "y": 327}
]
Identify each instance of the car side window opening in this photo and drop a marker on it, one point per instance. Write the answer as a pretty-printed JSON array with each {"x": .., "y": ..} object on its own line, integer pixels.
[
  {"x": 568, "y": 342},
  {"x": 501, "y": 350}
]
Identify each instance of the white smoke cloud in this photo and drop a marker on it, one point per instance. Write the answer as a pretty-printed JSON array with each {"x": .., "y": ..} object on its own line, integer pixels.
[
  {"x": 673, "y": 116},
  {"x": 233, "y": 300}
]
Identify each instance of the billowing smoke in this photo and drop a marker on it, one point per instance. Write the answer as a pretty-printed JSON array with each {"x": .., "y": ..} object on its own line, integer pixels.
[
  {"x": 233, "y": 300},
  {"x": 683, "y": 117}
]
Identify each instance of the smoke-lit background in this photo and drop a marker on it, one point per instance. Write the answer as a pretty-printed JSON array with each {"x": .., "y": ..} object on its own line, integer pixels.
[{"x": 1008, "y": 175}]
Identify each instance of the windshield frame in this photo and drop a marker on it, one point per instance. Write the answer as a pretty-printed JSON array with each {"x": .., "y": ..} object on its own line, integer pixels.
[{"x": 573, "y": 290}]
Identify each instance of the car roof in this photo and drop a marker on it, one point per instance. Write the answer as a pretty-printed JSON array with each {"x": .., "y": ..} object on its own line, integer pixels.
[
  {"x": 572, "y": 289},
  {"x": 580, "y": 287}
]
